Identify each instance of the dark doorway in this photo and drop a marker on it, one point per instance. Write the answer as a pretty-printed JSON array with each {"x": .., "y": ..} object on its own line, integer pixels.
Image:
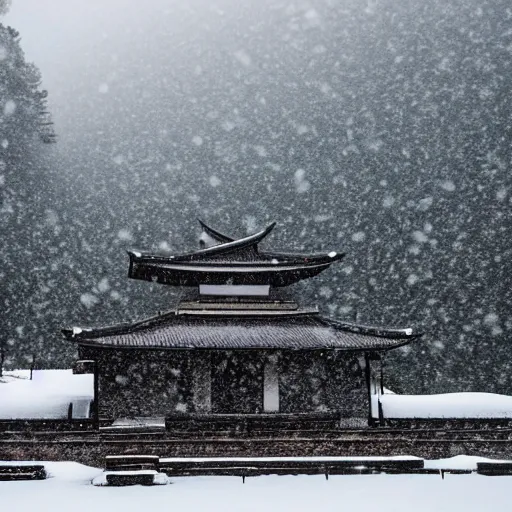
[{"x": 237, "y": 383}]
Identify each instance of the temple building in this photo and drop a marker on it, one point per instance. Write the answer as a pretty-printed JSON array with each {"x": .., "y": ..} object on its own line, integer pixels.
[{"x": 236, "y": 345}]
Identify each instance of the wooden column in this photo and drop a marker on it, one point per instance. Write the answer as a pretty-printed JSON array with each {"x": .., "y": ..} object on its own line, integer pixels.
[
  {"x": 202, "y": 383},
  {"x": 271, "y": 384},
  {"x": 374, "y": 382},
  {"x": 85, "y": 366}
]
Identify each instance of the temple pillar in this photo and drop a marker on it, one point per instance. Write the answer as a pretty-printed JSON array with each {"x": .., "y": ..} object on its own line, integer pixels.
[
  {"x": 202, "y": 383},
  {"x": 374, "y": 382},
  {"x": 271, "y": 384}
]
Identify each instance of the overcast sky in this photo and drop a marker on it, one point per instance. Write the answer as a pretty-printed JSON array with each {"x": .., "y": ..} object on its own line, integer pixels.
[
  {"x": 62, "y": 36},
  {"x": 380, "y": 127}
]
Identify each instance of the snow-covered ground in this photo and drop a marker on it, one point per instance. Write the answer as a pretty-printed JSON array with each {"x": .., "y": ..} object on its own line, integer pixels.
[
  {"x": 49, "y": 393},
  {"x": 449, "y": 405},
  {"x": 70, "y": 488},
  {"x": 46, "y": 396}
]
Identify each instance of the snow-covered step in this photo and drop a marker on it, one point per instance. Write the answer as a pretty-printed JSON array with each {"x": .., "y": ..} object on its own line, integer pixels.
[
  {"x": 494, "y": 468},
  {"x": 131, "y": 462},
  {"x": 125, "y": 478},
  {"x": 251, "y": 466},
  {"x": 137, "y": 424},
  {"x": 20, "y": 471}
]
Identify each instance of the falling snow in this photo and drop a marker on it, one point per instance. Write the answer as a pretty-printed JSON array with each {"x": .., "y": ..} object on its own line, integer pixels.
[{"x": 376, "y": 129}]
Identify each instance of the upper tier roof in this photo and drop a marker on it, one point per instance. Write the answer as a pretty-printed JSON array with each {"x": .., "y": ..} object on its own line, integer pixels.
[
  {"x": 229, "y": 262},
  {"x": 306, "y": 331}
]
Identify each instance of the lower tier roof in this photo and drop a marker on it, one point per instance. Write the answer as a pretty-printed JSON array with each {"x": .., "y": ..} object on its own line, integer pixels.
[{"x": 196, "y": 331}]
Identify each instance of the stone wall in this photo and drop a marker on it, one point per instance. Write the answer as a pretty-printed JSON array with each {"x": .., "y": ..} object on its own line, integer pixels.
[{"x": 161, "y": 382}]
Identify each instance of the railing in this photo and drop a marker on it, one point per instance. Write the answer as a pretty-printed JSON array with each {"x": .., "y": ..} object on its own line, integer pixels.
[
  {"x": 247, "y": 423},
  {"x": 41, "y": 425}
]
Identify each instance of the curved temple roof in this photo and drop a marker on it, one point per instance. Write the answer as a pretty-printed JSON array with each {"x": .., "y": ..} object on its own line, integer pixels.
[
  {"x": 199, "y": 331},
  {"x": 237, "y": 262},
  {"x": 263, "y": 325}
]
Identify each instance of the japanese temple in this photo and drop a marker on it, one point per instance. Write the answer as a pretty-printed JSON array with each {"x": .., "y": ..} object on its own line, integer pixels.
[{"x": 236, "y": 345}]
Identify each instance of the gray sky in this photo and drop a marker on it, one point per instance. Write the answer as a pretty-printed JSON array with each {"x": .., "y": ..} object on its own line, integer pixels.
[
  {"x": 56, "y": 36},
  {"x": 54, "y": 30},
  {"x": 65, "y": 37}
]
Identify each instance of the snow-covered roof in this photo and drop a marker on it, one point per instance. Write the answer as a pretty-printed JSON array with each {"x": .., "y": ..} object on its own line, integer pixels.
[
  {"x": 231, "y": 331},
  {"x": 225, "y": 260}
]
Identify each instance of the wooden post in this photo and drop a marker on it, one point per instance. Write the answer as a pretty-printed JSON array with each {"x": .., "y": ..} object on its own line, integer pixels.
[
  {"x": 96, "y": 407},
  {"x": 381, "y": 411},
  {"x": 202, "y": 383},
  {"x": 373, "y": 375},
  {"x": 88, "y": 366},
  {"x": 368, "y": 378},
  {"x": 32, "y": 365},
  {"x": 271, "y": 383},
  {"x": 2, "y": 360},
  {"x": 381, "y": 374}
]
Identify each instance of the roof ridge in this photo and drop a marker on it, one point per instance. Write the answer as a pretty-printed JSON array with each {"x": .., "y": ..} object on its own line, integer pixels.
[
  {"x": 240, "y": 243},
  {"x": 381, "y": 332},
  {"x": 120, "y": 328}
]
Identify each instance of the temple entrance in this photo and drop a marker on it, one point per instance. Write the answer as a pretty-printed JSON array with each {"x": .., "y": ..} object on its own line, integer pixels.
[{"x": 237, "y": 382}]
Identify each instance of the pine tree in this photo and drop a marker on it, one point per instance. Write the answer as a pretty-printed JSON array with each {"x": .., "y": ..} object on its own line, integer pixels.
[
  {"x": 25, "y": 126},
  {"x": 4, "y": 6}
]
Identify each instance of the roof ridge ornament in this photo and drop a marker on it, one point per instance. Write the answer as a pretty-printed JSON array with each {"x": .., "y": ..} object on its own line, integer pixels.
[
  {"x": 213, "y": 233},
  {"x": 238, "y": 243}
]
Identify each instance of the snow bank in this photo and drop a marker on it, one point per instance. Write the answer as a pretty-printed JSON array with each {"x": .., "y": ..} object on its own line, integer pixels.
[
  {"x": 449, "y": 405},
  {"x": 467, "y": 462},
  {"x": 46, "y": 396},
  {"x": 70, "y": 489}
]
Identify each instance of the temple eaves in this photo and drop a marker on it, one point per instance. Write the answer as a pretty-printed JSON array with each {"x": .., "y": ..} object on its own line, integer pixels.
[{"x": 231, "y": 263}]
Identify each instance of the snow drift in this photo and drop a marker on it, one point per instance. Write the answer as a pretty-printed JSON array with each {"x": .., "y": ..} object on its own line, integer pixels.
[
  {"x": 449, "y": 405},
  {"x": 47, "y": 396}
]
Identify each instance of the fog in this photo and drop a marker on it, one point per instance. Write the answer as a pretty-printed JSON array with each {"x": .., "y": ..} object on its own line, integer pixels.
[{"x": 380, "y": 129}]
